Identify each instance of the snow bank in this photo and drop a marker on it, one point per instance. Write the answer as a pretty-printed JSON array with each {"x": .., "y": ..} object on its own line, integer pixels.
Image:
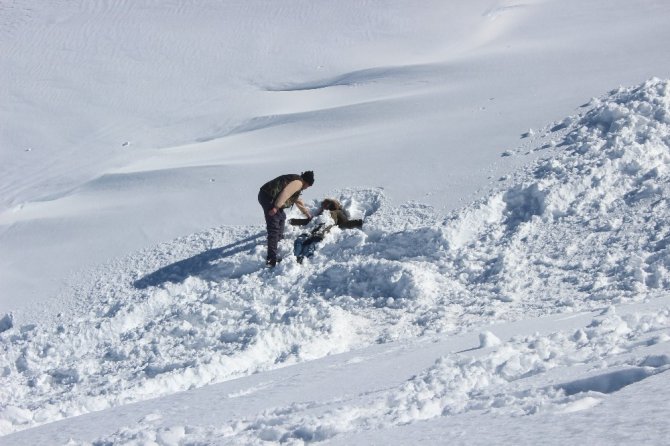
[
  {"x": 504, "y": 381},
  {"x": 498, "y": 381},
  {"x": 584, "y": 227},
  {"x": 588, "y": 219}
]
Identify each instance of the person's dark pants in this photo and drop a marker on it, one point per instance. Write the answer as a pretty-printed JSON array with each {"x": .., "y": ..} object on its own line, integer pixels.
[{"x": 274, "y": 224}]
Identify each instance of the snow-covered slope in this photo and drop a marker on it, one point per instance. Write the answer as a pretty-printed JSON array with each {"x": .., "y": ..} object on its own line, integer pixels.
[
  {"x": 509, "y": 283},
  {"x": 581, "y": 229},
  {"x": 539, "y": 383},
  {"x": 130, "y": 123}
]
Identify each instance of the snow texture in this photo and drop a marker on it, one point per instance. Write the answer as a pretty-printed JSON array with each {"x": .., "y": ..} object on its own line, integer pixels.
[
  {"x": 584, "y": 226},
  {"x": 509, "y": 284}
]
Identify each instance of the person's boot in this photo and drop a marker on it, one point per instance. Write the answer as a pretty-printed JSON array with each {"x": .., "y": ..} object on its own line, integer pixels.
[{"x": 271, "y": 263}]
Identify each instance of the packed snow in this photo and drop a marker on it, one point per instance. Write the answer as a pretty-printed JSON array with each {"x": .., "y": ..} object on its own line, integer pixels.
[{"x": 532, "y": 310}]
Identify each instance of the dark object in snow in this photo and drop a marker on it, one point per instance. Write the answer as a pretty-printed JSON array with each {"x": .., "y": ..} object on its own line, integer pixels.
[
  {"x": 337, "y": 213},
  {"x": 299, "y": 221},
  {"x": 6, "y": 322},
  {"x": 350, "y": 224},
  {"x": 305, "y": 244}
]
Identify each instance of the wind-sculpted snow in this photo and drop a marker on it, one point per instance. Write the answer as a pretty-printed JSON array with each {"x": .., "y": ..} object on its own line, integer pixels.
[{"x": 588, "y": 225}]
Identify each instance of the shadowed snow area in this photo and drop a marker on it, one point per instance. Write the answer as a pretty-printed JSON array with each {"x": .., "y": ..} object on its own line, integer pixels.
[{"x": 589, "y": 223}]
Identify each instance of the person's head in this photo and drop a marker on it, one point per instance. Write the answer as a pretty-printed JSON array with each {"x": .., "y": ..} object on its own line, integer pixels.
[
  {"x": 307, "y": 179},
  {"x": 330, "y": 204}
]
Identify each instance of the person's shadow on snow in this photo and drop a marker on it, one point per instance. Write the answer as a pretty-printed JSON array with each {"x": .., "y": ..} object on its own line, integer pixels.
[{"x": 201, "y": 265}]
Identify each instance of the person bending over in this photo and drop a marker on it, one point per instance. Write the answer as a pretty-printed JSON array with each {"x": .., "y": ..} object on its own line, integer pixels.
[{"x": 277, "y": 195}]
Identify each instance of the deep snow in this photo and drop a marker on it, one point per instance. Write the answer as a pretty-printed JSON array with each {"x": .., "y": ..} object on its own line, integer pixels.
[
  {"x": 534, "y": 309},
  {"x": 572, "y": 232}
]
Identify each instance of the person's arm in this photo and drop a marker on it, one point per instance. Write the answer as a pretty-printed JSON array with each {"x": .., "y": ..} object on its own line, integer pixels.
[{"x": 303, "y": 208}]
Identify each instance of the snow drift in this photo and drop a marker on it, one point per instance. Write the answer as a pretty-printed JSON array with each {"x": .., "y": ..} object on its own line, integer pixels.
[{"x": 586, "y": 225}]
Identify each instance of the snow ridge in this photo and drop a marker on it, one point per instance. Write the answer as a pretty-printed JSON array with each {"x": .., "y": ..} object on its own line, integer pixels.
[{"x": 202, "y": 309}]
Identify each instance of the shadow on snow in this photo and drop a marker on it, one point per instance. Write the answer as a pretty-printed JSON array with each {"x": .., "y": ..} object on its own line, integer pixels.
[{"x": 194, "y": 266}]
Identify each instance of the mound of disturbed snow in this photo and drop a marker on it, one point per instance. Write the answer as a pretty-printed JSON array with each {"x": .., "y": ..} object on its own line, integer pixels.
[{"x": 586, "y": 225}]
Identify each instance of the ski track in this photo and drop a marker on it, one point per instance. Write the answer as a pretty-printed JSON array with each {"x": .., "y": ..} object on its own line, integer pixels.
[{"x": 585, "y": 227}]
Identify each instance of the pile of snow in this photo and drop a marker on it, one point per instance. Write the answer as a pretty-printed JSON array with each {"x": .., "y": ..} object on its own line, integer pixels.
[
  {"x": 586, "y": 225},
  {"x": 587, "y": 220},
  {"x": 523, "y": 376}
]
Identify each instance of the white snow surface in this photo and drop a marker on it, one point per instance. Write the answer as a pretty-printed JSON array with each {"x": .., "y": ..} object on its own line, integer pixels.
[{"x": 510, "y": 282}]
